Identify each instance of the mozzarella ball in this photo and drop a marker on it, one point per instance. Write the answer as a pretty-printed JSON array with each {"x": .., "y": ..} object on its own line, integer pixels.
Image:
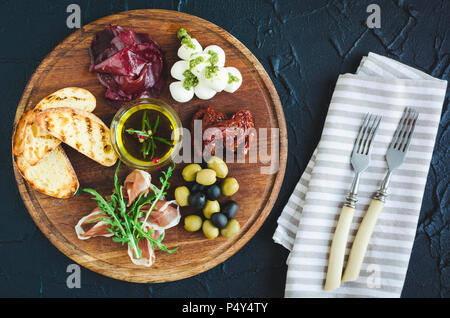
[
  {"x": 178, "y": 69},
  {"x": 233, "y": 86},
  {"x": 220, "y": 53},
  {"x": 179, "y": 93},
  {"x": 185, "y": 52},
  {"x": 202, "y": 91},
  {"x": 217, "y": 81}
]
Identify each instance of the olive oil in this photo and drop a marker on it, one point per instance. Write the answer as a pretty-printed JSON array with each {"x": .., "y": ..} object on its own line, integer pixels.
[
  {"x": 141, "y": 145},
  {"x": 163, "y": 132}
]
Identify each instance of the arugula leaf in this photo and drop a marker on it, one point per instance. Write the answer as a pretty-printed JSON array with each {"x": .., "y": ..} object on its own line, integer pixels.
[{"x": 157, "y": 242}]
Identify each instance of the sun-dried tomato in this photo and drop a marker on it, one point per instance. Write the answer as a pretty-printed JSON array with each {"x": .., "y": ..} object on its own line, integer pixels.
[{"x": 234, "y": 133}]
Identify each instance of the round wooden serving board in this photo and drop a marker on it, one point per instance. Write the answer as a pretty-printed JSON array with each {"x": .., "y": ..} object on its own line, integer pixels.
[{"x": 67, "y": 65}]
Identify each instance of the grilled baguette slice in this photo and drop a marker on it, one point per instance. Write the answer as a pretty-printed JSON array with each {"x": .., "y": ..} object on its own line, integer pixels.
[
  {"x": 81, "y": 130},
  {"x": 35, "y": 143},
  {"x": 18, "y": 138},
  {"x": 74, "y": 97},
  {"x": 53, "y": 175}
]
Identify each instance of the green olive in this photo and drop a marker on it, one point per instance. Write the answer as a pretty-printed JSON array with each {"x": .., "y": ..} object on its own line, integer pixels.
[
  {"x": 209, "y": 230},
  {"x": 192, "y": 223},
  {"x": 231, "y": 229},
  {"x": 182, "y": 196},
  {"x": 206, "y": 177},
  {"x": 230, "y": 186},
  {"x": 210, "y": 208},
  {"x": 190, "y": 171},
  {"x": 219, "y": 166}
]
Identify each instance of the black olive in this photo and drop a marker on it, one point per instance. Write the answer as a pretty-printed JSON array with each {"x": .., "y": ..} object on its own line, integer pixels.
[
  {"x": 230, "y": 208},
  {"x": 213, "y": 192},
  {"x": 197, "y": 200},
  {"x": 219, "y": 220},
  {"x": 196, "y": 187}
]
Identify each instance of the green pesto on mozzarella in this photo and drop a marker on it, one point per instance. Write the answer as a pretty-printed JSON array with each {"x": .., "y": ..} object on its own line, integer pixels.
[
  {"x": 189, "y": 46},
  {"x": 180, "y": 93},
  {"x": 178, "y": 69},
  {"x": 234, "y": 79},
  {"x": 219, "y": 53}
]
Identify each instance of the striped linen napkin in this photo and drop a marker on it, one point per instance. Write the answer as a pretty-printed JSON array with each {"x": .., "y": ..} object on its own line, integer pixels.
[{"x": 385, "y": 87}]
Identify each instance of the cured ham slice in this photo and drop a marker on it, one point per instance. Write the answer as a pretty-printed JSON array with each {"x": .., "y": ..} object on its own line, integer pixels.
[
  {"x": 137, "y": 182},
  {"x": 92, "y": 225},
  {"x": 148, "y": 256},
  {"x": 165, "y": 215}
]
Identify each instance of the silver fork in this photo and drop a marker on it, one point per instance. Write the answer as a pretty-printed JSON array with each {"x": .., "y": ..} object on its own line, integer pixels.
[
  {"x": 360, "y": 161},
  {"x": 395, "y": 156}
]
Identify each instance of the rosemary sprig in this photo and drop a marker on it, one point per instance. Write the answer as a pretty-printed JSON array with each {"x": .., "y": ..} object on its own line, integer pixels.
[
  {"x": 163, "y": 140},
  {"x": 138, "y": 132},
  {"x": 156, "y": 125},
  {"x": 148, "y": 136}
]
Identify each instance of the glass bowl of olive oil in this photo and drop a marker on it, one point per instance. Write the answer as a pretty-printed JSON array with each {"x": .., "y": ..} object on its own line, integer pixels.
[{"x": 146, "y": 133}]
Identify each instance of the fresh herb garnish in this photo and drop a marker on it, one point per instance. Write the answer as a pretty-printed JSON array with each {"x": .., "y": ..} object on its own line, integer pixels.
[
  {"x": 232, "y": 78},
  {"x": 124, "y": 223},
  {"x": 147, "y": 136},
  {"x": 185, "y": 38}
]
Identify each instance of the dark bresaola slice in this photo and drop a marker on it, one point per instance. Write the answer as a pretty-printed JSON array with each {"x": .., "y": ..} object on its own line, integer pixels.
[
  {"x": 113, "y": 91},
  {"x": 125, "y": 62},
  {"x": 135, "y": 86},
  {"x": 128, "y": 64},
  {"x": 102, "y": 43},
  {"x": 145, "y": 38},
  {"x": 124, "y": 39}
]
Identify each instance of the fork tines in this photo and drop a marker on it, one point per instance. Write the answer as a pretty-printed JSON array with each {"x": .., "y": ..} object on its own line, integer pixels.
[
  {"x": 405, "y": 129},
  {"x": 363, "y": 143}
]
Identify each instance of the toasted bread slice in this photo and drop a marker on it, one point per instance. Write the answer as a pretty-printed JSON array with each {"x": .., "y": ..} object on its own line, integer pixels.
[
  {"x": 18, "y": 138},
  {"x": 81, "y": 130},
  {"x": 74, "y": 97},
  {"x": 53, "y": 175},
  {"x": 30, "y": 141},
  {"x": 35, "y": 142}
]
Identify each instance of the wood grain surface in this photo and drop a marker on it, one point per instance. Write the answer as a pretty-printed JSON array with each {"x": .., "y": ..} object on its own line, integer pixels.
[{"x": 67, "y": 65}]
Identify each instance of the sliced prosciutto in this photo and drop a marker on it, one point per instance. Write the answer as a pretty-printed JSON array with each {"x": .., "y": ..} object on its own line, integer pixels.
[
  {"x": 148, "y": 256},
  {"x": 165, "y": 215},
  {"x": 136, "y": 183},
  {"x": 149, "y": 229},
  {"x": 92, "y": 225}
]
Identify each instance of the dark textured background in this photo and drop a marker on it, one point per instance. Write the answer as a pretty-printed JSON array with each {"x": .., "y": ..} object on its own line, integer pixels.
[{"x": 304, "y": 46}]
